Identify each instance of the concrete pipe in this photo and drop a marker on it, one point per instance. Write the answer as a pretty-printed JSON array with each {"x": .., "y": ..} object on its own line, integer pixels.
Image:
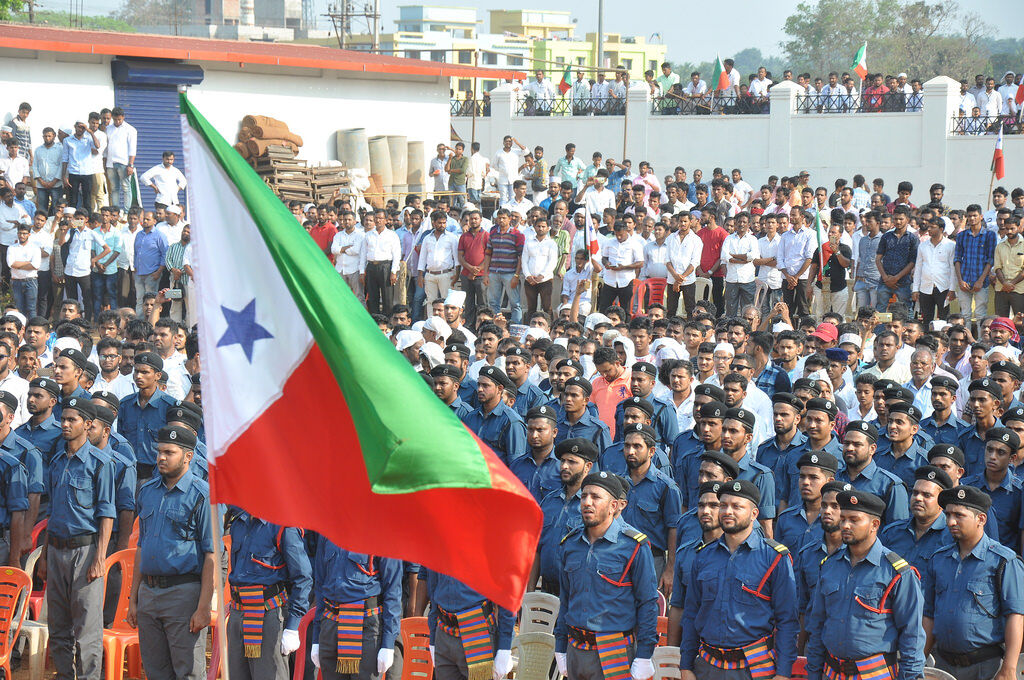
[
  {"x": 353, "y": 150},
  {"x": 398, "y": 147},
  {"x": 415, "y": 167},
  {"x": 380, "y": 161}
]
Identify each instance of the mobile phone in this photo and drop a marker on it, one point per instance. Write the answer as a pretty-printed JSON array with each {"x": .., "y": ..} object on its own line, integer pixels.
[
  {"x": 884, "y": 317},
  {"x": 175, "y": 294},
  {"x": 46, "y": 372}
]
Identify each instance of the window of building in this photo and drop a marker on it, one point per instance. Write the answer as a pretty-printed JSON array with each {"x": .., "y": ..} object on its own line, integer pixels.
[
  {"x": 627, "y": 64},
  {"x": 580, "y": 61},
  {"x": 465, "y": 85},
  {"x": 437, "y": 55},
  {"x": 465, "y": 57},
  {"x": 515, "y": 61},
  {"x": 653, "y": 64},
  {"x": 490, "y": 59},
  {"x": 412, "y": 54},
  {"x": 559, "y": 60},
  {"x": 490, "y": 85}
]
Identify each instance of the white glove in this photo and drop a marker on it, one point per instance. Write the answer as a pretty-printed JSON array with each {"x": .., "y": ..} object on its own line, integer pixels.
[
  {"x": 642, "y": 669},
  {"x": 289, "y": 641},
  {"x": 561, "y": 664},
  {"x": 385, "y": 659},
  {"x": 502, "y": 663},
  {"x": 314, "y": 654},
  {"x": 432, "y": 661}
]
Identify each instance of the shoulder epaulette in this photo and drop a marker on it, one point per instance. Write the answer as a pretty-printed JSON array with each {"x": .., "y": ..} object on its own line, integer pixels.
[
  {"x": 702, "y": 546},
  {"x": 778, "y": 547},
  {"x": 636, "y": 535},
  {"x": 566, "y": 537},
  {"x": 825, "y": 558},
  {"x": 897, "y": 562}
]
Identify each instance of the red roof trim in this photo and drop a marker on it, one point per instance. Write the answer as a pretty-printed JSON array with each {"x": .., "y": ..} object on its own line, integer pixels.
[{"x": 47, "y": 39}]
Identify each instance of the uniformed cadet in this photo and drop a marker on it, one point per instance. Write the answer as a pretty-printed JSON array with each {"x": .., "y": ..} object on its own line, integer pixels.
[
  {"x": 190, "y": 416},
  {"x": 577, "y": 420},
  {"x": 916, "y": 539},
  {"x": 1008, "y": 376},
  {"x": 143, "y": 414},
  {"x": 43, "y": 431},
  {"x": 818, "y": 422},
  {"x": 607, "y": 625},
  {"x": 652, "y": 501},
  {"x": 498, "y": 425},
  {"x": 271, "y": 580},
  {"x": 117, "y": 440},
  {"x": 787, "y": 412},
  {"x": 457, "y": 617},
  {"x": 358, "y": 610},
  {"x": 14, "y": 482},
  {"x": 867, "y": 607},
  {"x": 447, "y": 383},
  {"x": 950, "y": 459},
  {"x": 807, "y": 564},
  {"x": 865, "y": 475},
  {"x": 737, "y": 433},
  {"x": 798, "y": 524},
  {"x": 643, "y": 378},
  {"x": 172, "y": 589},
  {"x": 518, "y": 361},
  {"x": 739, "y": 617},
  {"x": 539, "y": 469},
  {"x": 942, "y": 425},
  {"x": 561, "y": 508},
  {"x": 89, "y": 374},
  {"x": 80, "y": 480},
  {"x": 636, "y": 410},
  {"x": 67, "y": 371},
  {"x": 706, "y": 512},
  {"x": 1014, "y": 420},
  {"x": 1002, "y": 486},
  {"x": 973, "y": 595},
  {"x": 715, "y": 466},
  {"x": 985, "y": 401},
  {"x": 905, "y": 454},
  {"x": 457, "y": 354},
  {"x": 898, "y": 396},
  {"x": 686, "y": 461}
]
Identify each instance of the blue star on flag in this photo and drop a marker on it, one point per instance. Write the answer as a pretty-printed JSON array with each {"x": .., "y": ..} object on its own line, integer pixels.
[{"x": 243, "y": 329}]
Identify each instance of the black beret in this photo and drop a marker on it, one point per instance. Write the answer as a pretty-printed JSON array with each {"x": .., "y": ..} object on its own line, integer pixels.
[
  {"x": 191, "y": 406},
  {"x": 826, "y": 406},
  {"x": 646, "y": 368},
  {"x": 83, "y": 406},
  {"x": 946, "y": 382},
  {"x": 76, "y": 357},
  {"x": 730, "y": 466},
  {"x": 572, "y": 363},
  {"x": 835, "y": 487},
  {"x": 645, "y": 431},
  {"x": 519, "y": 352},
  {"x": 911, "y": 411},
  {"x": 743, "y": 415},
  {"x": 48, "y": 384},
  {"x": 104, "y": 414},
  {"x": 577, "y": 446},
  {"x": 967, "y": 496},
  {"x": 987, "y": 385},
  {"x": 744, "y": 488},
  {"x": 107, "y": 397},
  {"x": 163, "y": 377},
  {"x": 947, "y": 451},
  {"x": 581, "y": 383},
  {"x": 542, "y": 412},
  {"x": 457, "y": 348},
  {"x": 175, "y": 434},
  {"x": 819, "y": 459},
  {"x": 150, "y": 359},
  {"x": 930, "y": 473},
  {"x": 498, "y": 377},
  {"x": 640, "y": 403},
  {"x": 789, "y": 399},
  {"x": 608, "y": 481},
  {"x": 427, "y": 378},
  {"x": 864, "y": 427},
  {"x": 177, "y": 414},
  {"x": 9, "y": 400},
  {"x": 1004, "y": 436},
  {"x": 709, "y": 487},
  {"x": 1006, "y": 367},
  {"x": 900, "y": 393},
  {"x": 91, "y": 370},
  {"x": 862, "y": 501},
  {"x": 713, "y": 409},
  {"x": 807, "y": 384},
  {"x": 446, "y": 370},
  {"x": 713, "y": 391},
  {"x": 1015, "y": 413},
  {"x": 883, "y": 384}
]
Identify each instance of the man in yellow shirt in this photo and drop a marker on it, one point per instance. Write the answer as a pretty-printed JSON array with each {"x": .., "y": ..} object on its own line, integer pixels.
[{"x": 1009, "y": 270}]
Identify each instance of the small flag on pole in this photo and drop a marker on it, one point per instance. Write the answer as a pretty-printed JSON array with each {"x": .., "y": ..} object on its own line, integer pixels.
[
  {"x": 134, "y": 196},
  {"x": 998, "y": 168},
  {"x": 566, "y": 83},
  {"x": 719, "y": 79},
  {"x": 592, "y": 243},
  {"x": 860, "y": 62}
]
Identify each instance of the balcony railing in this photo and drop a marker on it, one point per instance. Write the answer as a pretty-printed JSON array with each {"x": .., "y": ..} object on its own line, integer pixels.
[
  {"x": 566, "y": 106},
  {"x": 464, "y": 107},
  {"x": 681, "y": 105},
  {"x": 888, "y": 102},
  {"x": 985, "y": 125}
]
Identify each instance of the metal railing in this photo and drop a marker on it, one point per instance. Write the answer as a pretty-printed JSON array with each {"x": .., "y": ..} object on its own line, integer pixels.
[
  {"x": 464, "y": 107},
  {"x": 985, "y": 125},
  {"x": 885, "y": 102},
  {"x": 681, "y": 105},
  {"x": 566, "y": 106}
]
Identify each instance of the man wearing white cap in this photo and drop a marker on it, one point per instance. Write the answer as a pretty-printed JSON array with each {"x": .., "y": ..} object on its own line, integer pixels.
[
  {"x": 172, "y": 225},
  {"x": 436, "y": 330},
  {"x": 453, "y": 315},
  {"x": 409, "y": 343},
  {"x": 1008, "y": 91},
  {"x": 166, "y": 180}
]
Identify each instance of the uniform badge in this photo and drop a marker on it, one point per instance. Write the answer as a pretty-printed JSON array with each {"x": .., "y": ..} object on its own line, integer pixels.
[
  {"x": 853, "y": 500},
  {"x": 961, "y": 494},
  {"x": 173, "y": 434}
]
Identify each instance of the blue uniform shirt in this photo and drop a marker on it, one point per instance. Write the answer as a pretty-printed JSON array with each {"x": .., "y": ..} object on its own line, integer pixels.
[
  {"x": 539, "y": 480},
  {"x": 613, "y": 459},
  {"x": 81, "y": 491},
  {"x": 174, "y": 526},
  {"x": 78, "y": 393},
  {"x": 264, "y": 554},
  {"x": 883, "y": 484},
  {"x": 589, "y": 426},
  {"x": 806, "y": 568},
  {"x": 764, "y": 479},
  {"x": 1006, "y": 506},
  {"x": 788, "y": 482},
  {"x": 686, "y": 451},
  {"x": 653, "y": 506},
  {"x": 947, "y": 433},
  {"x": 793, "y": 530},
  {"x": 664, "y": 422},
  {"x": 685, "y": 554},
  {"x": 44, "y": 437},
  {"x": 124, "y": 479},
  {"x": 13, "y": 489},
  {"x": 603, "y": 592},
  {"x": 140, "y": 424},
  {"x": 461, "y": 408},
  {"x": 121, "y": 445},
  {"x": 345, "y": 577},
  {"x": 904, "y": 466},
  {"x": 772, "y": 457},
  {"x": 883, "y": 445},
  {"x": 527, "y": 396},
  {"x": 840, "y": 624},
  {"x": 973, "y": 446},
  {"x": 902, "y": 538},
  {"x": 688, "y": 527},
  {"x": 961, "y": 596},
  {"x": 467, "y": 392},
  {"x": 29, "y": 456},
  {"x": 454, "y": 596},
  {"x": 722, "y": 609},
  {"x": 502, "y": 429},
  {"x": 561, "y": 515}
]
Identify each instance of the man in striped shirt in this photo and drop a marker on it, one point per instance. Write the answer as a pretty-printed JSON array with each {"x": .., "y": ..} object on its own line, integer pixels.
[{"x": 180, "y": 272}]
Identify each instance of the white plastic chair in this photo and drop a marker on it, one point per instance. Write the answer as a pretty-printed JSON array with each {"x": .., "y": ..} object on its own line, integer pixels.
[
  {"x": 538, "y": 613},
  {"x": 666, "y": 663},
  {"x": 936, "y": 674},
  {"x": 535, "y": 651},
  {"x": 35, "y": 633}
]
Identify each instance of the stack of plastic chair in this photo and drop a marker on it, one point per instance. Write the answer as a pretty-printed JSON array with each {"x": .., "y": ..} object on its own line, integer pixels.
[
  {"x": 799, "y": 671},
  {"x": 35, "y": 630},
  {"x": 14, "y": 588},
  {"x": 666, "y": 662},
  {"x": 535, "y": 652},
  {"x": 121, "y": 640},
  {"x": 538, "y": 613},
  {"x": 936, "y": 674},
  {"x": 662, "y": 630},
  {"x": 662, "y": 604},
  {"x": 302, "y": 653},
  {"x": 416, "y": 662},
  {"x": 656, "y": 290}
]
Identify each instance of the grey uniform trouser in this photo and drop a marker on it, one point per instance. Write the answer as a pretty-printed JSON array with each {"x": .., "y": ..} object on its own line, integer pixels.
[
  {"x": 983, "y": 670},
  {"x": 329, "y": 650},
  {"x": 585, "y": 664},
  {"x": 271, "y": 664},
  {"x": 170, "y": 651},
  {"x": 705, "y": 671},
  {"x": 450, "y": 657},
  {"x": 75, "y": 613}
]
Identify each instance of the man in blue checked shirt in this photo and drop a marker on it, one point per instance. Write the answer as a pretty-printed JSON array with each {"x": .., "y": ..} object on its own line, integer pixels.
[
  {"x": 972, "y": 261},
  {"x": 896, "y": 256}
]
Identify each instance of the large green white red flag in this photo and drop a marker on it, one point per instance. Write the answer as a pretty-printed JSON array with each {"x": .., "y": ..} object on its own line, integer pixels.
[
  {"x": 719, "y": 79},
  {"x": 860, "y": 62},
  {"x": 313, "y": 419}
]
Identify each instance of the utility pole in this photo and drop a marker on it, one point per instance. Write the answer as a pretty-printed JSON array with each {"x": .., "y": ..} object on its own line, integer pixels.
[
  {"x": 600, "y": 34},
  {"x": 376, "y": 27}
]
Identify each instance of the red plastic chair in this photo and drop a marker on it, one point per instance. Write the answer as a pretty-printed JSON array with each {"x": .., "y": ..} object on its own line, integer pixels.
[
  {"x": 656, "y": 291},
  {"x": 14, "y": 584},
  {"x": 37, "y": 530},
  {"x": 799, "y": 668},
  {"x": 416, "y": 663},
  {"x": 302, "y": 655},
  {"x": 121, "y": 641},
  {"x": 662, "y": 604},
  {"x": 662, "y": 631}
]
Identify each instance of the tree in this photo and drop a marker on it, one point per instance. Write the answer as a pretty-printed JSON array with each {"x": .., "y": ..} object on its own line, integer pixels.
[
  {"x": 8, "y": 8},
  {"x": 174, "y": 13}
]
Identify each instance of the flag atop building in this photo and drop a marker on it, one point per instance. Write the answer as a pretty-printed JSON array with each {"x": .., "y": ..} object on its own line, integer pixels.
[
  {"x": 998, "y": 167},
  {"x": 566, "y": 83},
  {"x": 860, "y": 62},
  {"x": 719, "y": 79},
  {"x": 333, "y": 431}
]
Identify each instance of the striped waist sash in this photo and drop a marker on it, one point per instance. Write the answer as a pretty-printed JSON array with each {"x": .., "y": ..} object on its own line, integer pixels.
[
  {"x": 612, "y": 650},
  {"x": 350, "y": 618},
  {"x": 473, "y": 627},
  {"x": 253, "y": 602},
  {"x": 875, "y": 667},
  {"x": 758, "y": 657}
]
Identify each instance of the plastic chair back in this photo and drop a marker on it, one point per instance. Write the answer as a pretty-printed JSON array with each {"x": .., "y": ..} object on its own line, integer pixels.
[
  {"x": 416, "y": 663},
  {"x": 760, "y": 290},
  {"x": 666, "y": 663},
  {"x": 302, "y": 654},
  {"x": 133, "y": 539},
  {"x": 656, "y": 290},
  {"x": 799, "y": 671},
  {"x": 37, "y": 531},
  {"x": 936, "y": 674},
  {"x": 536, "y": 652},
  {"x": 125, "y": 559},
  {"x": 662, "y": 630},
  {"x": 15, "y": 586},
  {"x": 637, "y": 307},
  {"x": 662, "y": 604},
  {"x": 32, "y": 559},
  {"x": 538, "y": 613}
]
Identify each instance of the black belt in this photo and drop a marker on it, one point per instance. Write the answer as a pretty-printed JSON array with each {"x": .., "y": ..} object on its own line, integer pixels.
[
  {"x": 964, "y": 659},
  {"x": 731, "y": 653},
  {"x": 170, "y": 581},
  {"x": 441, "y": 271},
  {"x": 379, "y": 262},
  {"x": 589, "y": 637},
  {"x": 849, "y": 666},
  {"x": 334, "y": 607},
  {"x": 452, "y": 621},
  {"x": 268, "y": 592},
  {"x": 79, "y": 541}
]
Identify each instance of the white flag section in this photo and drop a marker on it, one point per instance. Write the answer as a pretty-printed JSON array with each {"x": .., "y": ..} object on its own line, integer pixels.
[{"x": 251, "y": 334}]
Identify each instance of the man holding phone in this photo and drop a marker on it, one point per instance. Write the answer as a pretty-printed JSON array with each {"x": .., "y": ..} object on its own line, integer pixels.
[{"x": 175, "y": 263}]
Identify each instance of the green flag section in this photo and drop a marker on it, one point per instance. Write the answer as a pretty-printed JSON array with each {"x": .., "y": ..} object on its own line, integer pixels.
[
  {"x": 860, "y": 62},
  {"x": 566, "y": 83},
  {"x": 313, "y": 419},
  {"x": 719, "y": 79}
]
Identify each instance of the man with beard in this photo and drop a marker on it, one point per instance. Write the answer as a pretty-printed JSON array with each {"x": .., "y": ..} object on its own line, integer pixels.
[
  {"x": 457, "y": 354},
  {"x": 43, "y": 431},
  {"x": 799, "y": 524},
  {"x": 808, "y": 561},
  {"x": 494, "y": 422},
  {"x": 715, "y": 466},
  {"x": 653, "y": 500},
  {"x": 867, "y": 607},
  {"x": 788, "y": 440},
  {"x": 727, "y": 625},
  {"x": 607, "y": 619},
  {"x": 737, "y": 431},
  {"x": 818, "y": 418},
  {"x": 612, "y": 459},
  {"x": 865, "y": 475},
  {"x": 642, "y": 380},
  {"x": 447, "y": 379},
  {"x": 576, "y": 419},
  {"x": 985, "y": 404},
  {"x": 561, "y": 508},
  {"x": 711, "y": 531},
  {"x": 708, "y": 430},
  {"x": 539, "y": 470},
  {"x": 942, "y": 425},
  {"x": 1001, "y": 485},
  {"x": 918, "y": 537}
]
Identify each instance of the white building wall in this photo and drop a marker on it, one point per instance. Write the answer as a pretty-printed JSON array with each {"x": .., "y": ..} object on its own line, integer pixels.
[{"x": 60, "y": 87}]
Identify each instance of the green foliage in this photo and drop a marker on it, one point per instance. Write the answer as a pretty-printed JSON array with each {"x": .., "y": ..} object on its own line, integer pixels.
[
  {"x": 64, "y": 20},
  {"x": 8, "y": 8}
]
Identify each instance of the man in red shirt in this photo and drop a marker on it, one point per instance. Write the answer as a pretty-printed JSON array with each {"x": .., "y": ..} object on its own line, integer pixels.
[
  {"x": 325, "y": 230},
  {"x": 611, "y": 386},
  {"x": 874, "y": 94},
  {"x": 472, "y": 251},
  {"x": 712, "y": 236}
]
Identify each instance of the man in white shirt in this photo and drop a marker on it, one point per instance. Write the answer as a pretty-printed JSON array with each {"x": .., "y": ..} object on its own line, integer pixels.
[
  {"x": 767, "y": 262},
  {"x": 739, "y": 250},
  {"x": 600, "y": 94},
  {"x": 519, "y": 203},
  {"x": 540, "y": 255},
  {"x": 439, "y": 259},
  {"x": 166, "y": 180},
  {"x": 110, "y": 378},
  {"x": 967, "y": 100},
  {"x": 172, "y": 225},
  {"x": 23, "y": 259},
  {"x": 347, "y": 248},
  {"x": 122, "y": 139},
  {"x": 506, "y": 164},
  {"x": 622, "y": 259},
  {"x": 379, "y": 263},
  {"x": 934, "y": 278},
  {"x": 479, "y": 166},
  {"x": 125, "y": 260},
  {"x": 437, "y": 165},
  {"x": 595, "y": 196},
  {"x": 84, "y": 242},
  {"x": 1008, "y": 91},
  {"x": 14, "y": 167},
  {"x": 95, "y": 163},
  {"x": 696, "y": 88},
  {"x": 542, "y": 94},
  {"x": 656, "y": 254},
  {"x": 833, "y": 95},
  {"x": 581, "y": 272},
  {"x": 42, "y": 239},
  {"x": 684, "y": 251},
  {"x": 758, "y": 88},
  {"x": 741, "y": 189},
  {"x": 580, "y": 94},
  {"x": 990, "y": 101}
]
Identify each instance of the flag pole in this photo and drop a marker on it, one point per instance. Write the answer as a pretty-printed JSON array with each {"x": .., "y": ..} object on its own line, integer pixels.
[
  {"x": 991, "y": 183},
  {"x": 218, "y": 582}
]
